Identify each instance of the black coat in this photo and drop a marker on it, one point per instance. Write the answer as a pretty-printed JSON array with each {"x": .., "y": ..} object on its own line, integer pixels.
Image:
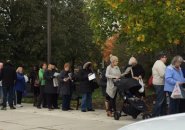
[
  {"x": 65, "y": 87},
  {"x": 85, "y": 86},
  {"x": 8, "y": 75},
  {"x": 137, "y": 71},
  {"x": 49, "y": 87}
]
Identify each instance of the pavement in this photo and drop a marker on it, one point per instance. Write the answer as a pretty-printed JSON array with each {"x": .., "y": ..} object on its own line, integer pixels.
[{"x": 30, "y": 118}]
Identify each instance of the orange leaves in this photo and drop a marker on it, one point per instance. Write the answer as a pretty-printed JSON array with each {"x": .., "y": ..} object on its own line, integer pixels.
[{"x": 109, "y": 46}]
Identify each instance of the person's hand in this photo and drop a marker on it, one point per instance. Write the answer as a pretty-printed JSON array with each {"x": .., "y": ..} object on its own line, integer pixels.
[
  {"x": 180, "y": 83},
  {"x": 136, "y": 78},
  {"x": 140, "y": 77}
]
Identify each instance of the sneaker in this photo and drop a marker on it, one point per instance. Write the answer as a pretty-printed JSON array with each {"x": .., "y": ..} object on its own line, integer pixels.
[
  {"x": 12, "y": 108},
  {"x": 83, "y": 111},
  {"x": 39, "y": 107},
  {"x": 3, "y": 108},
  {"x": 19, "y": 105},
  {"x": 90, "y": 110}
]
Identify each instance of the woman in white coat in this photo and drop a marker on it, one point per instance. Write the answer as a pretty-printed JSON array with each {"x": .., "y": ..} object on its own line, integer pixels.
[{"x": 112, "y": 72}]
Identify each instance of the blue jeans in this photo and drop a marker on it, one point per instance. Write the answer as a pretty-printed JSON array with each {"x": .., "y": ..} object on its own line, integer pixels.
[
  {"x": 8, "y": 91},
  {"x": 174, "y": 105},
  {"x": 160, "y": 105},
  {"x": 66, "y": 99},
  {"x": 86, "y": 101}
]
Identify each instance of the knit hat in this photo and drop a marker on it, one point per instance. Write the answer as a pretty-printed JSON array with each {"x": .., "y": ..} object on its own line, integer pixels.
[
  {"x": 132, "y": 60},
  {"x": 113, "y": 58}
]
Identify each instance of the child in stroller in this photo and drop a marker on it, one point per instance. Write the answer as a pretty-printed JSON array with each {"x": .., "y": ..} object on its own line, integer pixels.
[{"x": 133, "y": 104}]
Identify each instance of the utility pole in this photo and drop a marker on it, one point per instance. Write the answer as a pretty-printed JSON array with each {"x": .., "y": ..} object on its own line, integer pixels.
[{"x": 48, "y": 31}]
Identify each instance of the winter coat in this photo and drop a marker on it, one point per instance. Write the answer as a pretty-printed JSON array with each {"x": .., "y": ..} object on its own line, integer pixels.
[
  {"x": 158, "y": 72},
  {"x": 41, "y": 77},
  {"x": 111, "y": 73},
  {"x": 137, "y": 71},
  {"x": 49, "y": 87},
  {"x": 172, "y": 76},
  {"x": 65, "y": 87},
  {"x": 8, "y": 76},
  {"x": 20, "y": 84},
  {"x": 85, "y": 86}
]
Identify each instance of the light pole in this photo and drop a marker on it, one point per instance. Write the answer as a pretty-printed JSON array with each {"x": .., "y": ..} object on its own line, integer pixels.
[{"x": 49, "y": 31}]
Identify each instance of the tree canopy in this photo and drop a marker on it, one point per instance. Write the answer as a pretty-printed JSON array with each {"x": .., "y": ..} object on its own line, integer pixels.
[
  {"x": 23, "y": 32},
  {"x": 144, "y": 26}
]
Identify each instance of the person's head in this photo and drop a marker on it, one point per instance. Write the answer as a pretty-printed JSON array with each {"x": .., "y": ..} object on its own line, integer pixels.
[
  {"x": 177, "y": 61},
  {"x": 66, "y": 66},
  {"x": 87, "y": 65},
  {"x": 51, "y": 66},
  {"x": 163, "y": 57},
  {"x": 19, "y": 70},
  {"x": 44, "y": 66},
  {"x": 114, "y": 60},
  {"x": 132, "y": 61},
  {"x": 1, "y": 65}
]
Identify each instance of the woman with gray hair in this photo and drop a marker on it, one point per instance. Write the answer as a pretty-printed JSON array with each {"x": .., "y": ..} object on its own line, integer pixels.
[
  {"x": 173, "y": 76},
  {"x": 112, "y": 72}
]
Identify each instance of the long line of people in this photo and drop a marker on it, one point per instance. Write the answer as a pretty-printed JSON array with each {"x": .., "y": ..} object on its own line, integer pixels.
[{"x": 47, "y": 84}]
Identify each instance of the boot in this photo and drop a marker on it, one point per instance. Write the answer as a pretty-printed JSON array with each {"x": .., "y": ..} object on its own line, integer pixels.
[{"x": 107, "y": 107}]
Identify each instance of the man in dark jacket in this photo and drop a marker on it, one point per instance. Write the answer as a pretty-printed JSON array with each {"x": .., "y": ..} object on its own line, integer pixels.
[{"x": 8, "y": 77}]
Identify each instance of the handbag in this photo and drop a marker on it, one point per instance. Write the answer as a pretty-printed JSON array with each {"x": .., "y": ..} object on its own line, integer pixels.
[
  {"x": 178, "y": 92},
  {"x": 150, "y": 81}
]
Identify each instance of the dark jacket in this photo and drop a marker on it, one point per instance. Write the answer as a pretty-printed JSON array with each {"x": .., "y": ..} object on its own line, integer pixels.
[
  {"x": 49, "y": 88},
  {"x": 33, "y": 76},
  {"x": 66, "y": 87},
  {"x": 137, "y": 71},
  {"x": 85, "y": 86},
  {"x": 8, "y": 76},
  {"x": 20, "y": 84}
]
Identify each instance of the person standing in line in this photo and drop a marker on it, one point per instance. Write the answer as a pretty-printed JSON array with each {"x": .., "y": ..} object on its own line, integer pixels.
[
  {"x": 20, "y": 86},
  {"x": 112, "y": 72},
  {"x": 158, "y": 73},
  {"x": 1, "y": 87},
  {"x": 41, "y": 98},
  {"x": 85, "y": 87},
  {"x": 50, "y": 89},
  {"x": 34, "y": 80},
  {"x": 66, "y": 87},
  {"x": 174, "y": 76},
  {"x": 8, "y": 77}
]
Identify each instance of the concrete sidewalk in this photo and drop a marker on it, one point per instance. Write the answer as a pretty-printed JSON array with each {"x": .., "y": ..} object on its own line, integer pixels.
[{"x": 30, "y": 118}]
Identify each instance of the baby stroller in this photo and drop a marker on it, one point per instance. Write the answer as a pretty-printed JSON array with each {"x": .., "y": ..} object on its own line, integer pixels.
[{"x": 133, "y": 105}]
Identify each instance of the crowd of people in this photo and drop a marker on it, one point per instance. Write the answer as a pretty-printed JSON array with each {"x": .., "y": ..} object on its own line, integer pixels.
[{"x": 48, "y": 84}]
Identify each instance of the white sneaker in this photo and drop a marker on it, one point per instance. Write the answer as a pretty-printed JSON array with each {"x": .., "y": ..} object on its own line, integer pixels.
[{"x": 19, "y": 105}]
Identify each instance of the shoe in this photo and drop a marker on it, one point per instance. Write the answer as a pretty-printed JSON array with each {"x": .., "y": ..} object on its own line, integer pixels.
[
  {"x": 90, "y": 110},
  {"x": 50, "y": 109},
  {"x": 109, "y": 114},
  {"x": 19, "y": 105},
  {"x": 56, "y": 107},
  {"x": 83, "y": 111},
  {"x": 12, "y": 108},
  {"x": 71, "y": 109},
  {"x": 39, "y": 107},
  {"x": 3, "y": 108}
]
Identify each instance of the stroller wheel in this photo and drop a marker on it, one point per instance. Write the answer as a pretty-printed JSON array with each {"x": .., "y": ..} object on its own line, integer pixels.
[
  {"x": 147, "y": 116},
  {"x": 116, "y": 115}
]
